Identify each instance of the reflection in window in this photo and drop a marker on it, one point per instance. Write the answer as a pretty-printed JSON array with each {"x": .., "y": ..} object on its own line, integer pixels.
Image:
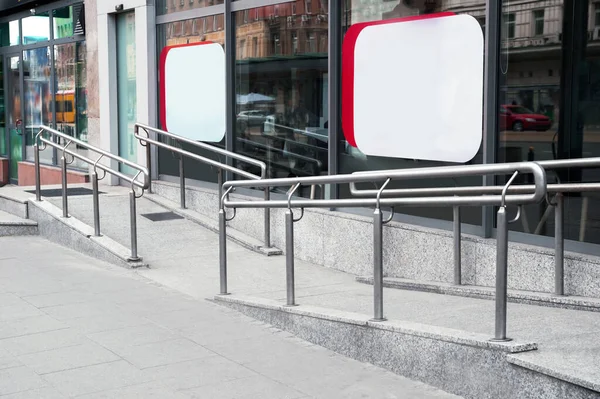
[
  {"x": 9, "y": 33},
  {"x": 538, "y": 124},
  {"x": 36, "y": 28},
  {"x": 538, "y": 22},
  {"x": 350, "y": 158},
  {"x": 509, "y": 21},
  {"x": 70, "y": 97},
  {"x": 183, "y": 32},
  {"x": 37, "y": 95},
  {"x": 281, "y": 92},
  {"x": 170, "y": 6},
  {"x": 68, "y": 21}
]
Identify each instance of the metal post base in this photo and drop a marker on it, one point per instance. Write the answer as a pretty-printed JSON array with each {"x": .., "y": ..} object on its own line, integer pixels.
[
  {"x": 134, "y": 259},
  {"x": 378, "y": 320},
  {"x": 501, "y": 339}
]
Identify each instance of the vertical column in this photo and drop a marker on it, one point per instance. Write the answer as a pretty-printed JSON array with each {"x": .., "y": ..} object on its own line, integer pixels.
[
  {"x": 65, "y": 201},
  {"x": 493, "y": 45},
  {"x": 501, "y": 274},
  {"x": 36, "y": 156},
  {"x": 133, "y": 225},
  {"x": 378, "y": 265},
  {"x": 223, "y": 250},
  {"x": 559, "y": 244},
  {"x": 457, "y": 247},
  {"x": 96, "y": 202},
  {"x": 289, "y": 258},
  {"x": 181, "y": 182},
  {"x": 267, "y": 221}
]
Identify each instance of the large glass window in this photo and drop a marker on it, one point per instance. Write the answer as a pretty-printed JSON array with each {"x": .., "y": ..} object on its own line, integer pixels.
[
  {"x": 36, "y": 28},
  {"x": 70, "y": 97},
  {"x": 171, "y": 6},
  {"x": 9, "y": 33},
  {"x": 350, "y": 158},
  {"x": 281, "y": 88},
  {"x": 37, "y": 96},
  {"x": 550, "y": 107},
  {"x": 196, "y": 30},
  {"x": 68, "y": 21}
]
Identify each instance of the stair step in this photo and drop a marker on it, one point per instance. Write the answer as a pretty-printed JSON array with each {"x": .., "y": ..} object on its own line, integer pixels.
[
  {"x": 470, "y": 291},
  {"x": 11, "y": 225}
]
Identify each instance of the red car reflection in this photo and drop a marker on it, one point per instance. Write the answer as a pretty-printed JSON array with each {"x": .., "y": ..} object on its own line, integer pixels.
[{"x": 519, "y": 118}]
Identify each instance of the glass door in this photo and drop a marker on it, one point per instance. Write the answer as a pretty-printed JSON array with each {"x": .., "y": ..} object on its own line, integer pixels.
[
  {"x": 13, "y": 99},
  {"x": 126, "y": 86},
  {"x": 37, "y": 98}
]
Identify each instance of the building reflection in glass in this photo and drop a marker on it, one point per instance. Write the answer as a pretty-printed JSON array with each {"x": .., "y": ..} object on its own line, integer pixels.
[{"x": 281, "y": 87}]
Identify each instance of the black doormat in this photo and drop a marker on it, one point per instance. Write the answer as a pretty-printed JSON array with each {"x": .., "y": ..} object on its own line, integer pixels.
[
  {"x": 162, "y": 216},
  {"x": 57, "y": 192}
]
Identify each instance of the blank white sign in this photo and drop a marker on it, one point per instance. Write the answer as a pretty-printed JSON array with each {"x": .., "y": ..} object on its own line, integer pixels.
[
  {"x": 418, "y": 89},
  {"x": 193, "y": 95}
]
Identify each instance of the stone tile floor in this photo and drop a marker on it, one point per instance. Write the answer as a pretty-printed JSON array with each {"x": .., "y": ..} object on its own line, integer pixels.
[
  {"x": 72, "y": 326},
  {"x": 184, "y": 256}
]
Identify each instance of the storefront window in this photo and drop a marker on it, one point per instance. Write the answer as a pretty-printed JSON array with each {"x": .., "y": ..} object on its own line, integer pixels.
[
  {"x": 281, "y": 88},
  {"x": 350, "y": 158},
  {"x": 36, "y": 28},
  {"x": 550, "y": 106},
  {"x": 68, "y": 21},
  {"x": 171, "y": 6},
  {"x": 9, "y": 33},
  {"x": 205, "y": 29},
  {"x": 70, "y": 98},
  {"x": 38, "y": 97}
]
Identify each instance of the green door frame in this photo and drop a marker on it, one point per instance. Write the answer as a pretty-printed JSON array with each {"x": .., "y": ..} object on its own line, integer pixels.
[{"x": 14, "y": 129}]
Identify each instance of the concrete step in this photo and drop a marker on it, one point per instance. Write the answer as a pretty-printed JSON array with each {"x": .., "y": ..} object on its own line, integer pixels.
[
  {"x": 48, "y": 221},
  {"x": 469, "y": 291},
  {"x": 11, "y": 225},
  {"x": 13, "y": 200},
  {"x": 460, "y": 362}
]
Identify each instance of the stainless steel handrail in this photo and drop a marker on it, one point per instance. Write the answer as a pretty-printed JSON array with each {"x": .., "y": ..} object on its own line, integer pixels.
[
  {"x": 451, "y": 198},
  {"x": 147, "y": 141},
  {"x": 133, "y": 180},
  {"x": 559, "y": 189}
]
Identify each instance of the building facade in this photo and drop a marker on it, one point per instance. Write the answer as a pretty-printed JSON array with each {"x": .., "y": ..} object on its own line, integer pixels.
[{"x": 94, "y": 73}]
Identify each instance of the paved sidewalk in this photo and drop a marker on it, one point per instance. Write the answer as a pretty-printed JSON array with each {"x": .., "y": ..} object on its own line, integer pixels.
[
  {"x": 72, "y": 326},
  {"x": 184, "y": 256}
]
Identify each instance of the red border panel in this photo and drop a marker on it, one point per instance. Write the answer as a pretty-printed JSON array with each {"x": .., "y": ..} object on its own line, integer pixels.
[
  {"x": 162, "y": 79},
  {"x": 348, "y": 48}
]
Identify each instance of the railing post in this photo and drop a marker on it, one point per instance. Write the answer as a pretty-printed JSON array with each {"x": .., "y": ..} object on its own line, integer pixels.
[
  {"x": 149, "y": 166},
  {"x": 96, "y": 202},
  {"x": 38, "y": 183},
  {"x": 133, "y": 225},
  {"x": 559, "y": 244},
  {"x": 220, "y": 185},
  {"x": 378, "y": 265},
  {"x": 223, "y": 250},
  {"x": 289, "y": 257},
  {"x": 267, "y": 221},
  {"x": 457, "y": 246},
  {"x": 65, "y": 202},
  {"x": 181, "y": 183},
  {"x": 501, "y": 274}
]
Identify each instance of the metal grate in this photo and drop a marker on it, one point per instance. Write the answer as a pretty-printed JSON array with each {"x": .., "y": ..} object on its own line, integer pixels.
[
  {"x": 162, "y": 216},
  {"x": 57, "y": 192}
]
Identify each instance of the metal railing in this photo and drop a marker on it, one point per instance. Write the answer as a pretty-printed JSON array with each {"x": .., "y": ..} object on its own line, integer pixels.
[
  {"x": 95, "y": 163},
  {"x": 146, "y": 141},
  {"x": 558, "y": 189},
  {"x": 450, "y": 197}
]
